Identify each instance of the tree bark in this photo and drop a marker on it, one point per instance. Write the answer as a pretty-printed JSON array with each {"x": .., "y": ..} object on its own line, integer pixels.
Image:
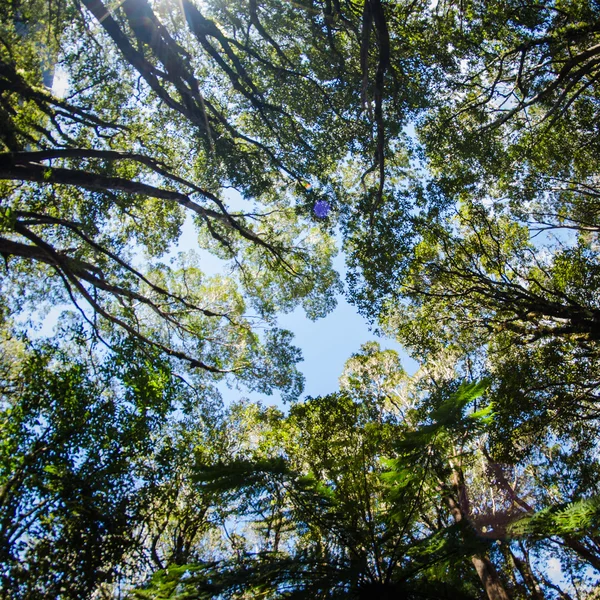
[
  {"x": 486, "y": 571},
  {"x": 489, "y": 578},
  {"x": 524, "y": 569}
]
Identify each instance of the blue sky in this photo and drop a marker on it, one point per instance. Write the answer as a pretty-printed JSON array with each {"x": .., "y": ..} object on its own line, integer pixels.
[{"x": 326, "y": 343}]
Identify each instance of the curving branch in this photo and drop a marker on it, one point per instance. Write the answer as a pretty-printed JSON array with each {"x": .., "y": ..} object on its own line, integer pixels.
[
  {"x": 20, "y": 166},
  {"x": 75, "y": 271}
]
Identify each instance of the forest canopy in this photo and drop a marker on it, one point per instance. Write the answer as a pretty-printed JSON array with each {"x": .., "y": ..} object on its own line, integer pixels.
[{"x": 449, "y": 149}]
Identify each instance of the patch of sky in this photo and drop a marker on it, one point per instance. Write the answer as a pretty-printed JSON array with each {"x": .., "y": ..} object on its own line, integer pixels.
[
  {"x": 60, "y": 83},
  {"x": 553, "y": 570},
  {"x": 326, "y": 343}
]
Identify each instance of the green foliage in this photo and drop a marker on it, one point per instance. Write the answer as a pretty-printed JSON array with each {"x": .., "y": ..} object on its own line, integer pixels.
[
  {"x": 99, "y": 183},
  {"x": 457, "y": 145},
  {"x": 326, "y": 514},
  {"x": 575, "y": 518},
  {"x": 72, "y": 437}
]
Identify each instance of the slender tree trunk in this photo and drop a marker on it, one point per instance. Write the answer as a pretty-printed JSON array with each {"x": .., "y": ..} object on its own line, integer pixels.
[
  {"x": 489, "y": 578},
  {"x": 485, "y": 569},
  {"x": 524, "y": 568}
]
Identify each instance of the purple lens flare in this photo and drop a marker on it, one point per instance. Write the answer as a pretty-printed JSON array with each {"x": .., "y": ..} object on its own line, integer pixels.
[{"x": 322, "y": 208}]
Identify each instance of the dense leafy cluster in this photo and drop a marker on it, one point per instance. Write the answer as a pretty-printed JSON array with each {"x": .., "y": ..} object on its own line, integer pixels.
[{"x": 451, "y": 145}]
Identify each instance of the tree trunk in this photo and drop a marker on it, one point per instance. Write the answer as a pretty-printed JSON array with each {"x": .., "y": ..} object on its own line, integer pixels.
[
  {"x": 581, "y": 549},
  {"x": 489, "y": 578},
  {"x": 488, "y": 575},
  {"x": 524, "y": 568}
]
